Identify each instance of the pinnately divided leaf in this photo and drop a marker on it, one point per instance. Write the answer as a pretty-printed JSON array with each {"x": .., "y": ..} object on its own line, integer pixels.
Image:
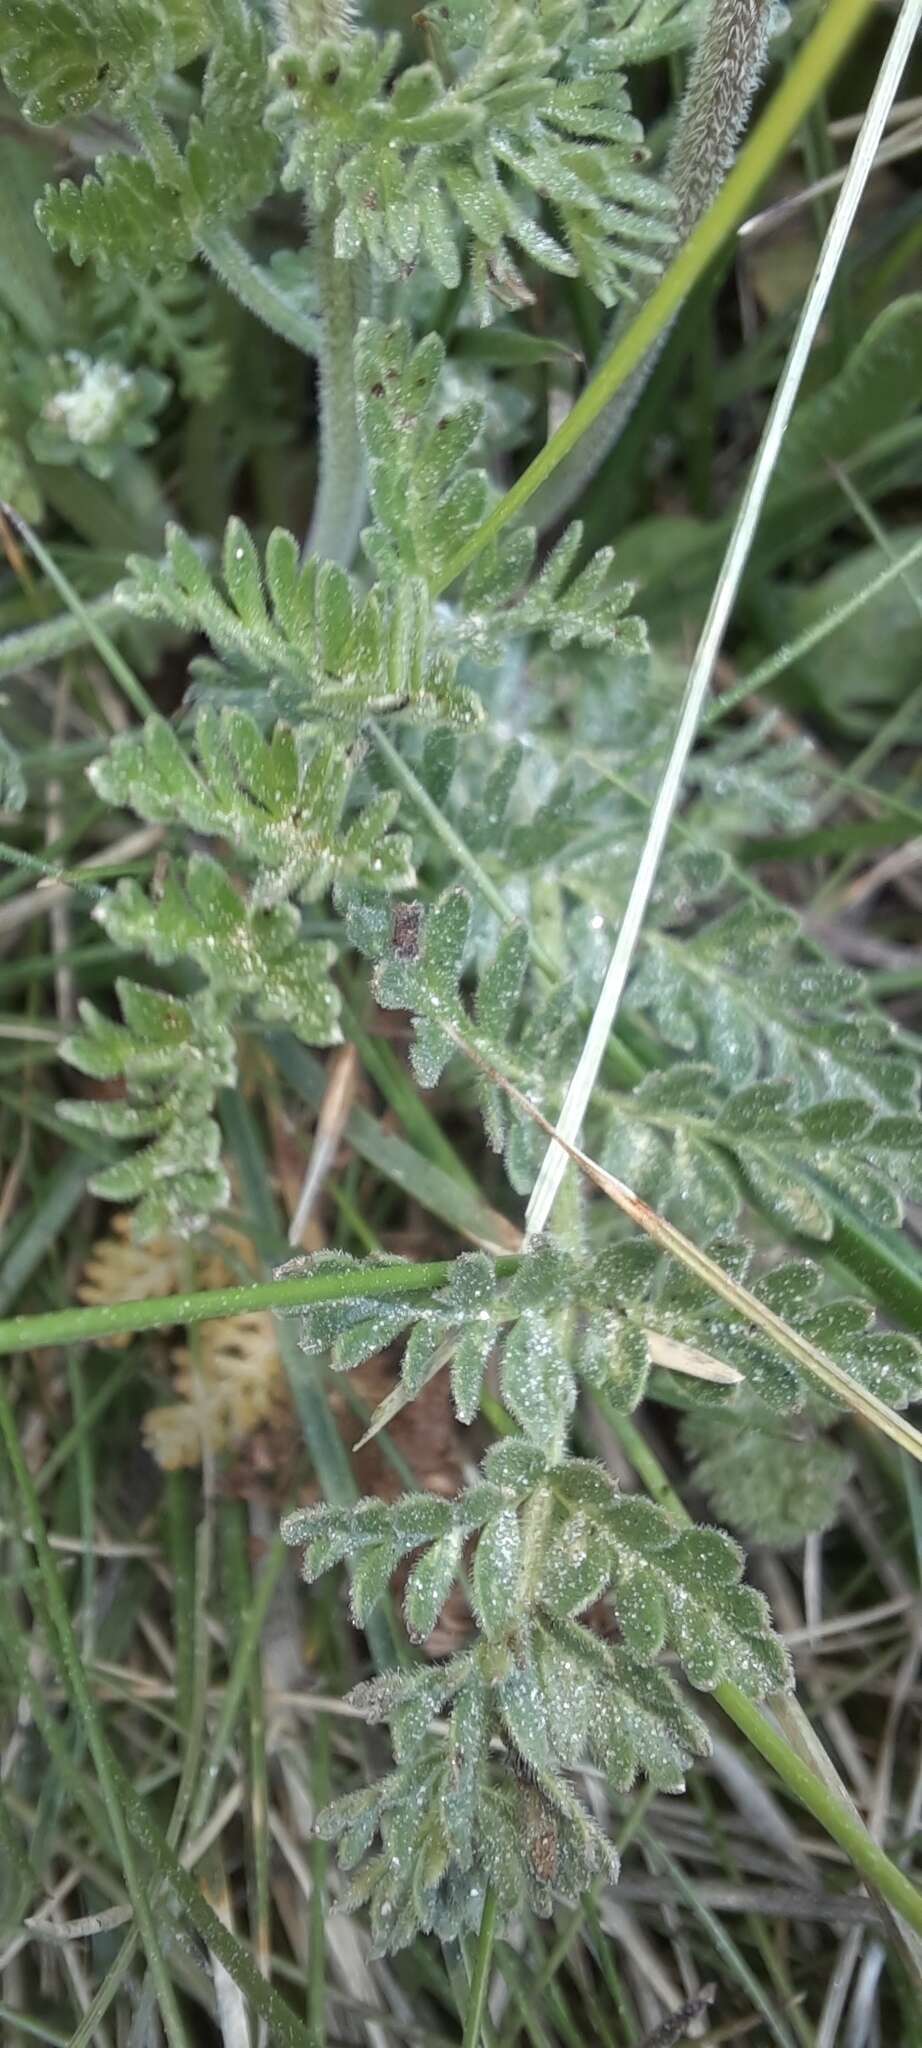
[
  {"x": 673, "y": 1137},
  {"x": 537, "y": 1682},
  {"x": 356, "y": 731},
  {"x": 742, "y": 994},
  {"x": 300, "y": 639},
  {"x": 410, "y": 171},
  {"x": 244, "y": 950},
  {"x": 611, "y": 1320},
  {"x": 129, "y": 217},
  {"x": 173, "y": 1057},
  {"x": 280, "y": 801},
  {"x": 427, "y": 499},
  {"x": 70, "y": 56}
]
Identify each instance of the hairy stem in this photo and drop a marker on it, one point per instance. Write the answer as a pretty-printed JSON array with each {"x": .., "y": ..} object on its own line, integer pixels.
[
  {"x": 724, "y": 75},
  {"x": 256, "y": 289},
  {"x": 340, "y": 501},
  {"x": 77, "y": 1325},
  {"x": 54, "y": 637}
]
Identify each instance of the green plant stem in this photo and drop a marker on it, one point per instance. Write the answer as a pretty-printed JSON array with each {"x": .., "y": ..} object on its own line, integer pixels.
[
  {"x": 94, "y": 630},
  {"x": 812, "y": 67},
  {"x": 834, "y": 1817},
  {"x": 340, "y": 501},
  {"x": 77, "y": 1325},
  {"x": 480, "y": 1974},
  {"x": 52, "y": 638},
  {"x": 257, "y": 290}
]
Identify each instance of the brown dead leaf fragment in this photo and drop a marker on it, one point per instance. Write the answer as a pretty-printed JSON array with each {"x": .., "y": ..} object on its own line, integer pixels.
[
  {"x": 229, "y": 1377},
  {"x": 117, "y": 1269},
  {"x": 231, "y": 1381}
]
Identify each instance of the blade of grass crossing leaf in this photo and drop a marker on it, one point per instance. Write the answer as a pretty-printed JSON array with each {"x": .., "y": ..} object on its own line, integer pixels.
[
  {"x": 804, "y": 1354},
  {"x": 553, "y": 1165},
  {"x": 814, "y": 64},
  {"x": 767, "y": 672},
  {"x": 883, "y": 1273},
  {"x": 78, "y": 1325},
  {"x": 91, "y": 622},
  {"x": 842, "y": 1824}
]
